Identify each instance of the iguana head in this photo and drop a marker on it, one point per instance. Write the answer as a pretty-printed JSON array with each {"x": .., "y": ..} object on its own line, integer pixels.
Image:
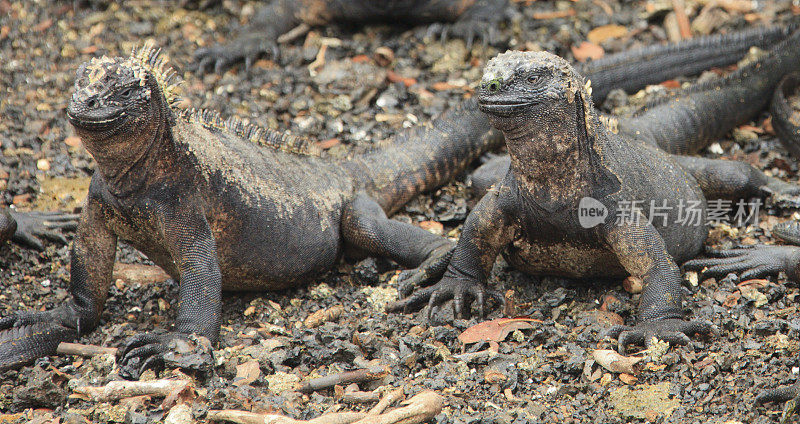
[
  {"x": 120, "y": 95},
  {"x": 526, "y": 83}
]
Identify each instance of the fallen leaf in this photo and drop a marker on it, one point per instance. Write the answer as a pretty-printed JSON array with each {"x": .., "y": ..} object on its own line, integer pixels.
[
  {"x": 605, "y": 32},
  {"x": 555, "y": 15},
  {"x": 393, "y": 76},
  {"x": 732, "y": 300},
  {"x": 628, "y": 379},
  {"x": 672, "y": 84},
  {"x": 247, "y": 373},
  {"x": 607, "y": 318},
  {"x": 324, "y": 315},
  {"x": 492, "y": 376},
  {"x": 432, "y": 227},
  {"x": 587, "y": 50},
  {"x": 444, "y": 86},
  {"x": 614, "y": 362},
  {"x": 327, "y": 144},
  {"x": 495, "y": 330}
]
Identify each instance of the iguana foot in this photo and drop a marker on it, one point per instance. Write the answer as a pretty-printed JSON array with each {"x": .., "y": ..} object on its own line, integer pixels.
[
  {"x": 749, "y": 261},
  {"x": 782, "y": 193},
  {"x": 673, "y": 331},
  {"x": 27, "y": 336},
  {"x": 468, "y": 30},
  {"x": 33, "y": 226},
  {"x": 429, "y": 271},
  {"x": 160, "y": 350},
  {"x": 788, "y": 231},
  {"x": 461, "y": 291},
  {"x": 247, "y": 48},
  {"x": 788, "y": 394}
]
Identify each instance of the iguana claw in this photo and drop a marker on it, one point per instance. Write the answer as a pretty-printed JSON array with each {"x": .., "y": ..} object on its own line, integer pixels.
[
  {"x": 673, "y": 331},
  {"x": 160, "y": 350}
]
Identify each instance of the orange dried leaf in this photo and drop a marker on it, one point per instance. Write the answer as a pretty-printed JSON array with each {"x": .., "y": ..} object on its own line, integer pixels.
[
  {"x": 395, "y": 77},
  {"x": 587, "y": 50},
  {"x": 432, "y": 226},
  {"x": 327, "y": 144},
  {"x": 605, "y": 32},
  {"x": 555, "y": 14},
  {"x": 495, "y": 330},
  {"x": 443, "y": 86},
  {"x": 671, "y": 84},
  {"x": 247, "y": 373}
]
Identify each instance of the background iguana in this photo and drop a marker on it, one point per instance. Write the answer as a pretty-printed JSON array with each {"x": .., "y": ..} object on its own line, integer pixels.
[
  {"x": 564, "y": 161},
  {"x": 468, "y": 19},
  {"x": 29, "y": 228}
]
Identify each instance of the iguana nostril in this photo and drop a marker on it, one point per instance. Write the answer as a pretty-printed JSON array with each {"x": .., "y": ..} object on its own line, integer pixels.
[{"x": 91, "y": 103}]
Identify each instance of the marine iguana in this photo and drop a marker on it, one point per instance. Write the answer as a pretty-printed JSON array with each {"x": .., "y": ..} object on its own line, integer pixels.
[
  {"x": 468, "y": 19},
  {"x": 28, "y": 228},
  {"x": 565, "y": 161},
  {"x": 221, "y": 205}
]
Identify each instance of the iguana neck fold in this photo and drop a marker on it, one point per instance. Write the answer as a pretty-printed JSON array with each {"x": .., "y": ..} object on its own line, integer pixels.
[
  {"x": 551, "y": 149},
  {"x": 147, "y": 151}
]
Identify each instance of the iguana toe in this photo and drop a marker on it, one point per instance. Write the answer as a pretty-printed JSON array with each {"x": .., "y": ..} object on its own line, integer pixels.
[
  {"x": 161, "y": 350},
  {"x": 672, "y": 331}
]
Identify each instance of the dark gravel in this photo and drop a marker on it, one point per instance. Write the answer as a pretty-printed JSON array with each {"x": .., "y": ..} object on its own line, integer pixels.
[{"x": 545, "y": 374}]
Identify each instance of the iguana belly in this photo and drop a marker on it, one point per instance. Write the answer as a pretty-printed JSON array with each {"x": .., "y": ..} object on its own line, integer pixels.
[{"x": 564, "y": 259}]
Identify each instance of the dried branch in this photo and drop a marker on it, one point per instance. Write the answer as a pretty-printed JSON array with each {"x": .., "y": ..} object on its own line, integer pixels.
[
  {"x": 84, "y": 349},
  {"x": 375, "y": 372}
]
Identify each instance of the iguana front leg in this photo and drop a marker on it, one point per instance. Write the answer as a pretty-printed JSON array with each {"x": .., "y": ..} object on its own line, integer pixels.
[
  {"x": 193, "y": 249},
  {"x": 26, "y": 336},
  {"x": 641, "y": 251},
  {"x": 487, "y": 230}
]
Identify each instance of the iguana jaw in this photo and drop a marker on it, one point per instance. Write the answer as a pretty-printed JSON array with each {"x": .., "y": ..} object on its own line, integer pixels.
[
  {"x": 503, "y": 106},
  {"x": 95, "y": 120}
]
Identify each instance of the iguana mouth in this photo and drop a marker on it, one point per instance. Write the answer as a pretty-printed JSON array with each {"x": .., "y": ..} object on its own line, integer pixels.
[
  {"x": 502, "y": 108},
  {"x": 95, "y": 119}
]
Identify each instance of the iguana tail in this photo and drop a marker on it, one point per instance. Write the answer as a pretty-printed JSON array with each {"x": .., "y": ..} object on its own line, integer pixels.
[
  {"x": 634, "y": 69},
  {"x": 689, "y": 119},
  {"x": 424, "y": 157}
]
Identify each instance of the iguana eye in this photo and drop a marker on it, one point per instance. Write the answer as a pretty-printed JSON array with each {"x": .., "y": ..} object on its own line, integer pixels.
[
  {"x": 126, "y": 93},
  {"x": 533, "y": 79},
  {"x": 493, "y": 86}
]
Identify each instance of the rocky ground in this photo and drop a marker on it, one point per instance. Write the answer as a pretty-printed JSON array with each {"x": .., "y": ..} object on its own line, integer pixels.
[{"x": 347, "y": 88}]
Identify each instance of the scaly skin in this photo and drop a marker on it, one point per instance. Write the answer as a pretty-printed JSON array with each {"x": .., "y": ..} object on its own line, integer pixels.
[
  {"x": 662, "y": 62},
  {"x": 468, "y": 19},
  {"x": 218, "y": 211},
  {"x": 561, "y": 155}
]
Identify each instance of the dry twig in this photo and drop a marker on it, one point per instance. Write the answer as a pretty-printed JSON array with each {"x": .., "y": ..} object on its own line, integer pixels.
[
  {"x": 84, "y": 349},
  {"x": 375, "y": 372}
]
